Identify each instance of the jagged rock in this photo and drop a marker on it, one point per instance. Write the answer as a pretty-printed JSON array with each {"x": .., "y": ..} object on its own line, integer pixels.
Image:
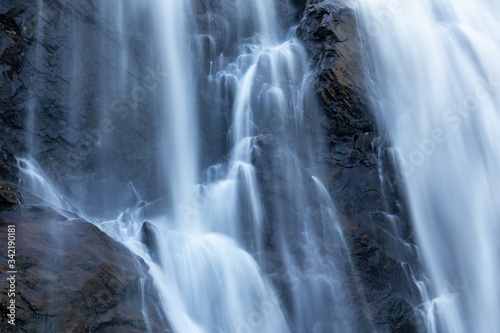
[
  {"x": 329, "y": 32},
  {"x": 9, "y": 195},
  {"x": 351, "y": 157},
  {"x": 148, "y": 238},
  {"x": 71, "y": 277}
]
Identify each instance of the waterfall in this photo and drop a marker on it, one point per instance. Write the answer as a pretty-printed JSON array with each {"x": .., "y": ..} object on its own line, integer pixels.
[
  {"x": 245, "y": 237},
  {"x": 434, "y": 83},
  {"x": 213, "y": 260},
  {"x": 180, "y": 155}
]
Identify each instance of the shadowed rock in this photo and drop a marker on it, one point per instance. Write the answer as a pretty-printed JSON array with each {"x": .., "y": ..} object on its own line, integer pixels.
[
  {"x": 9, "y": 196},
  {"x": 148, "y": 238},
  {"x": 366, "y": 196},
  {"x": 71, "y": 277}
]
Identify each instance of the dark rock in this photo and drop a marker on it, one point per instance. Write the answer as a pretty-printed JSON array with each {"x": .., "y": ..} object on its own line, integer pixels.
[
  {"x": 71, "y": 277},
  {"x": 148, "y": 238},
  {"x": 329, "y": 32},
  {"x": 10, "y": 196},
  {"x": 385, "y": 282},
  {"x": 74, "y": 130},
  {"x": 359, "y": 175}
]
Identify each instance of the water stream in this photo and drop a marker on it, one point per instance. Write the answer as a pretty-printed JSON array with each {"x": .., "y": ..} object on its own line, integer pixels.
[
  {"x": 252, "y": 242},
  {"x": 434, "y": 82},
  {"x": 219, "y": 190}
]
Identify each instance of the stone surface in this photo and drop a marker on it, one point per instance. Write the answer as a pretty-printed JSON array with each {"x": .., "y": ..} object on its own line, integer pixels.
[
  {"x": 148, "y": 238},
  {"x": 359, "y": 175},
  {"x": 329, "y": 32},
  {"x": 71, "y": 277},
  {"x": 9, "y": 196},
  {"x": 77, "y": 96}
]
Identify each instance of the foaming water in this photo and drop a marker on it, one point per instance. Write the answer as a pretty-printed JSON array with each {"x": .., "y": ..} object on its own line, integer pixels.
[{"x": 435, "y": 87}]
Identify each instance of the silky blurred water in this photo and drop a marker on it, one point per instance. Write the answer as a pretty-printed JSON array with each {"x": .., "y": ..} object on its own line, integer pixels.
[
  {"x": 434, "y": 83},
  {"x": 250, "y": 243}
]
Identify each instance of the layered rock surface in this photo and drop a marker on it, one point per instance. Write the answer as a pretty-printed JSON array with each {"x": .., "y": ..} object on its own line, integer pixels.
[{"x": 359, "y": 175}]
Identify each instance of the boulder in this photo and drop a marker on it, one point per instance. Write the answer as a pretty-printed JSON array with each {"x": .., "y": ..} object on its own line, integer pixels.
[
  {"x": 148, "y": 238},
  {"x": 9, "y": 196},
  {"x": 71, "y": 277}
]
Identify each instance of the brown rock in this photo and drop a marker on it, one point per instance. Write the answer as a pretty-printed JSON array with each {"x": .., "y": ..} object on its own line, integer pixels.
[
  {"x": 9, "y": 195},
  {"x": 330, "y": 34},
  {"x": 71, "y": 277},
  {"x": 353, "y": 155}
]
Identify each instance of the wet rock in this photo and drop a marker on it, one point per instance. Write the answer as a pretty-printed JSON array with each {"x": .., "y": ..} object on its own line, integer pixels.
[
  {"x": 73, "y": 129},
  {"x": 385, "y": 284},
  {"x": 359, "y": 175},
  {"x": 329, "y": 32},
  {"x": 274, "y": 168},
  {"x": 71, "y": 277},
  {"x": 9, "y": 196},
  {"x": 148, "y": 238}
]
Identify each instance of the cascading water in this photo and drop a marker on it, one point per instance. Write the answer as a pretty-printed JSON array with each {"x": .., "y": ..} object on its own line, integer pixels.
[
  {"x": 252, "y": 243},
  {"x": 209, "y": 282},
  {"x": 435, "y": 83}
]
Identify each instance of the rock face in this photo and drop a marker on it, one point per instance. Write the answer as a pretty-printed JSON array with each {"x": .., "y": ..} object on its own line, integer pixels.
[
  {"x": 71, "y": 277},
  {"x": 75, "y": 86},
  {"x": 359, "y": 175},
  {"x": 83, "y": 133},
  {"x": 329, "y": 32}
]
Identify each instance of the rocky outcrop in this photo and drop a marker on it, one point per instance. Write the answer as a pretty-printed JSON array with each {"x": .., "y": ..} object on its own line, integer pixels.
[
  {"x": 148, "y": 238},
  {"x": 329, "y": 32},
  {"x": 71, "y": 277},
  {"x": 359, "y": 176},
  {"x": 9, "y": 196}
]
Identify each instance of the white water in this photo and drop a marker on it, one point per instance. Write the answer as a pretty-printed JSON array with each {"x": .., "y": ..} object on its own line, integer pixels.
[
  {"x": 40, "y": 185},
  {"x": 181, "y": 151},
  {"x": 435, "y": 84},
  {"x": 221, "y": 256},
  {"x": 208, "y": 281}
]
